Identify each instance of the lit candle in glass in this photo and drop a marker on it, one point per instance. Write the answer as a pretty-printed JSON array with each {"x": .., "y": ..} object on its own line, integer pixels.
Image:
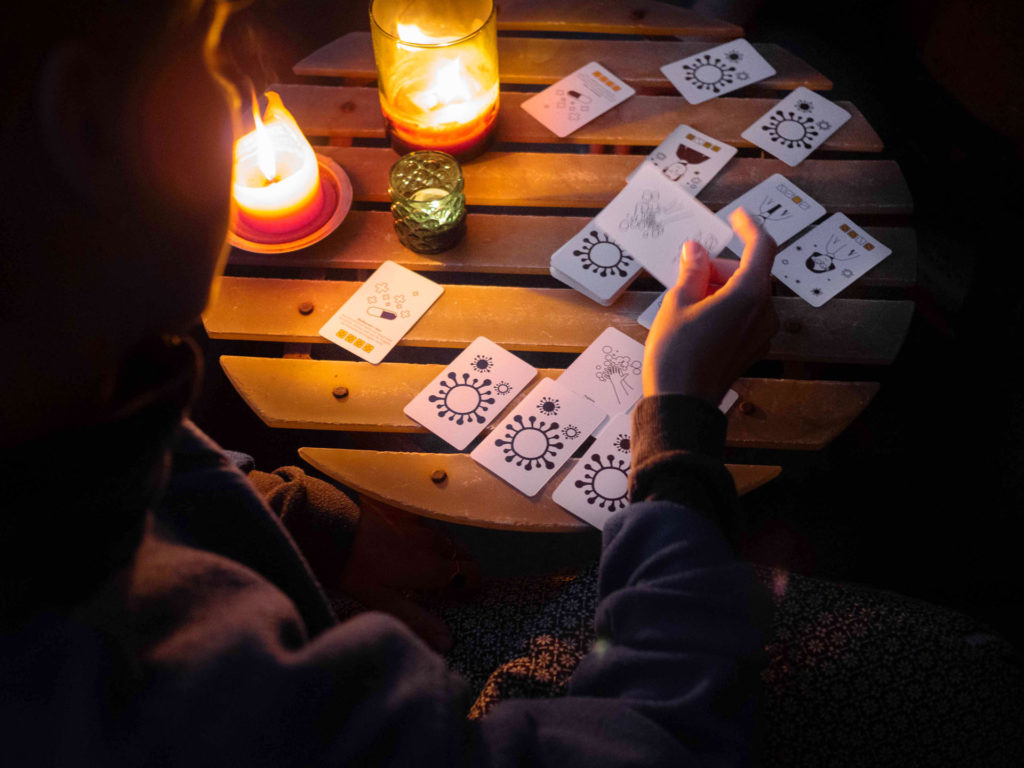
[{"x": 437, "y": 66}]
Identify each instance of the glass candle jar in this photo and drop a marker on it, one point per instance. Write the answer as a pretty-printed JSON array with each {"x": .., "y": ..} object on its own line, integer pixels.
[
  {"x": 427, "y": 202},
  {"x": 437, "y": 73}
]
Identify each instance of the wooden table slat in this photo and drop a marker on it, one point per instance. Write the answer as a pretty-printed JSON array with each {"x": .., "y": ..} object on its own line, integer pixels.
[
  {"x": 548, "y": 179},
  {"x": 297, "y": 394},
  {"x": 404, "y": 480},
  {"x": 644, "y": 121},
  {"x": 547, "y": 319},
  {"x": 543, "y": 61},
  {"x": 367, "y": 238},
  {"x": 643, "y": 17}
]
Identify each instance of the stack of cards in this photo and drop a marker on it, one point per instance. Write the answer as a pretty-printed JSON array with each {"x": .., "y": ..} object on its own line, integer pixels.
[
  {"x": 595, "y": 265},
  {"x": 577, "y": 99},
  {"x": 690, "y": 158},
  {"x": 778, "y": 205},
  {"x": 796, "y": 126},
  {"x": 652, "y": 218},
  {"x": 717, "y": 71},
  {"x": 381, "y": 312}
]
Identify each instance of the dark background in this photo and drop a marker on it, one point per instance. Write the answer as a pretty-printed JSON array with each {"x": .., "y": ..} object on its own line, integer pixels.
[{"x": 921, "y": 494}]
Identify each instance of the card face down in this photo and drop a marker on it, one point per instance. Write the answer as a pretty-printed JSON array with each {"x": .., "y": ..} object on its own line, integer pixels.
[
  {"x": 528, "y": 446},
  {"x": 470, "y": 392},
  {"x": 577, "y": 99},
  {"x": 607, "y": 373},
  {"x": 381, "y": 311},
  {"x": 827, "y": 259},
  {"x": 717, "y": 71},
  {"x": 598, "y": 485},
  {"x": 796, "y": 126},
  {"x": 778, "y": 205},
  {"x": 652, "y": 218},
  {"x": 690, "y": 158},
  {"x": 595, "y": 264}
]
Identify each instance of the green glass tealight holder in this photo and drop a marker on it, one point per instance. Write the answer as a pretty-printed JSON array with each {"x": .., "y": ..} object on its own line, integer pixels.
[{"x": 427, "y": 202}]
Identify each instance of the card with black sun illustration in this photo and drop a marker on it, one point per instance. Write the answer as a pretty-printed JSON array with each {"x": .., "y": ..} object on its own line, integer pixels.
[
  {"x": 470, "y": 392},
  {"x": 597, "y": 486},
  {"x": 528, "y": 446},
  {"x": 717, "y": 71},
  {"x": 796, "y": 126},
  {"x": 827, "y": 259},
  {"x": 595, "y": 264}
]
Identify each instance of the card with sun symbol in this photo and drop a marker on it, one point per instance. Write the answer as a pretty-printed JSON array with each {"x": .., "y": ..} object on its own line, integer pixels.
[
  {"x": 690, "y": 158},
  {"x": 470, "y": 392},
  {"x": 827, "y": 259},
  {"x": 607, "y": 373},
  {"x": 595, "y": 265},
  {"x": 528, "y": 446},
  {"x": 652, "y": 218},
  {"x": 717, "y": 71},
  {"x": 577, "y": 99},
  {"x": 598, "y": 485},
  {"x": 796, "y": 126},
  {"x": 778, "y": 205}
]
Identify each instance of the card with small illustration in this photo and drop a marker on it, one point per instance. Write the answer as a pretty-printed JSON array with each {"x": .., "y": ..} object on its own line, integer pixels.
[
  {"x": 381, "y": 312},
  {"x": 595, "y": 264},
  {"x": 598, "y": 485},
  {"x": 690, "y": 158},
  {"x": 718, "y": 71},
  {"x": 778, "y": 205},
  {"x": 796, "y": 126},
  {"x": 528, "y": 446},
  {"x": 652, "y": 218},
  {"x": 470, "y": 392},
  {"x": 577, "y": 99},
  {"x": 827, "y": 259},
  {"x": 607, "y": 373}
]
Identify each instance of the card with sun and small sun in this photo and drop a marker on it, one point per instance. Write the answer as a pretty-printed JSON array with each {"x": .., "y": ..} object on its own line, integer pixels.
[
  {"x": 528, "y": 446},
  {"x": 598, "y": 485},
  {"x": 796, "y": 126},
  {"x": 717, "y": 71},
  {"x": 470, "y": 392},
  {"x": 827, "y": 259},
  {"x": 595, "y": 265}
]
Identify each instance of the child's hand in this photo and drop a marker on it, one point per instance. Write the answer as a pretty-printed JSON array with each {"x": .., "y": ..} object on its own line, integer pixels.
[{"x": 705, "y": 336}]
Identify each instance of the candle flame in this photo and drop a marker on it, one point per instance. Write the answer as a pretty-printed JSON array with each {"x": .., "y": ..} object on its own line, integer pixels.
[{"x": 264, "y": 146}]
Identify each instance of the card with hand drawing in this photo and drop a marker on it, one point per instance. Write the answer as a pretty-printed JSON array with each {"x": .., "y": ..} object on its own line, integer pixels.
[
  {"x": 577, "y": 99},
  {"x": 607, "y": 373},
  {"x": 690, "y": 158}
]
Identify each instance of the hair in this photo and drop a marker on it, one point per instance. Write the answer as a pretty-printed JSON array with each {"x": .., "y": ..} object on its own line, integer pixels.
[{"x": 811, "y": 266}]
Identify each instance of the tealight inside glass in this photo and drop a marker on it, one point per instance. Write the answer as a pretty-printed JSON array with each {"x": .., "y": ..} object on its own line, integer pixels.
[{"x": 427, "y": 201}]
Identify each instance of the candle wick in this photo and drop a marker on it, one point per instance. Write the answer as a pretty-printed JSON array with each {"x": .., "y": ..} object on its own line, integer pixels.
[{"x": 267, "y": 182}]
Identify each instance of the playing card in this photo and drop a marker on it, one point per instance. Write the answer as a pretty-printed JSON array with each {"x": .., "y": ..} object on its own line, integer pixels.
[
  {"x": 470, "y": 392},
  {"x": 778, "y": 205},
  {"x": 527, "y": 446},
  {"x": 796, "y": 126},
  {"x": 716, "y": 71},
  {"x": 607, "y": 373},
  {"x": 652, "y": 218},
  {"x": 690, "y": 158},
  {"x": 646, "y": 318},
  {"x": 596, "y": 265},
  {"x": 597, "y": 486},
  {"x": 577, "y": 99},
  {"x": 823, "y": 262},
  {"x": 381, "y": 311}
]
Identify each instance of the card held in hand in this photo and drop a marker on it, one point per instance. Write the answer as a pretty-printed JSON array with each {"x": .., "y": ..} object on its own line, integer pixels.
[
  {"x": 827, "y": 259},
  {"x": 598, "y": 485},
  {"x": 577, "y": 99},
  {"x": 796, "y": 126},
  {"x": 527, "y": 446},
  {"x": 717, "y": 71},
  {"x": 381, "y": 312},
  {"x": 470, "y": 392}
]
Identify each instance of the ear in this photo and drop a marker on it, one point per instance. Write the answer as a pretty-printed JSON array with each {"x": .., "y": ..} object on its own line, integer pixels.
[{"x": 79, "y": 116}]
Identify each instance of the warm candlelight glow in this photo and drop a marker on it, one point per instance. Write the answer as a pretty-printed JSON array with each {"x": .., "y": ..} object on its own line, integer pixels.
[{"x": 277, "y": 178}]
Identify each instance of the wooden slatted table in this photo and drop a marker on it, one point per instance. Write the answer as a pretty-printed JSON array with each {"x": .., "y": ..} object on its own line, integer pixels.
[{"x": 526, "y": 199}]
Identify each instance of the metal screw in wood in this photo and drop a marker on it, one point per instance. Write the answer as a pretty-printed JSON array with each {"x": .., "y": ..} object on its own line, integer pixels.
[
  {"x": 340, "y": 392},
  {"x": 747, "y": 407},
  {"x": 306, "y": 308},
  {"x": 438, "y": 476}
]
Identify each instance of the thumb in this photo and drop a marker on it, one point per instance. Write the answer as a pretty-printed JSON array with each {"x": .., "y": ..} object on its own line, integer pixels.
[{"x": 694, "y": 274}]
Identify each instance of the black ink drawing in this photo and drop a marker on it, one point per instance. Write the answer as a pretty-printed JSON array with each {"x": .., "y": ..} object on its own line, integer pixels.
[
  {"x": 824, "y": 259},
  {"x": 482, "y": 363},
  {"x": 575, "y": 102},
  {"x": 502, "y": 388},
  {"x": 791, "y": 130},
  {"x": 530, "y": 445},
  {"x": 548, "y": 406},
  {"x": 462, "y": 401},
  {"x": 771, "y": 211},
  {"x": 686, "y": 158},
  {"x": 649, "y": 216},
  {"x": 570, "y": 432},
  {"x": 383, "y": 314},
  {"x": 622, "y": 443},
  {"x": 605, "y": 481},
  {"x": 709, "y": 73},
  {"x": 617, "y": 369},
  {"x": 603, "y": 255}
]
